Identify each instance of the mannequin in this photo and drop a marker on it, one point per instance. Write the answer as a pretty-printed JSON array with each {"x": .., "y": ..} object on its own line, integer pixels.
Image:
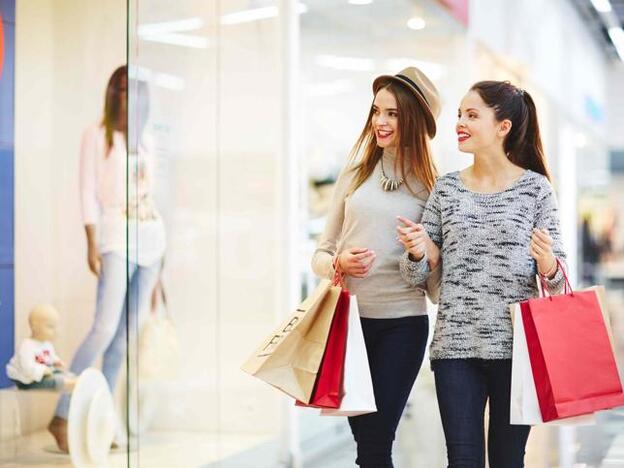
[{"x": 36, "y": 364}]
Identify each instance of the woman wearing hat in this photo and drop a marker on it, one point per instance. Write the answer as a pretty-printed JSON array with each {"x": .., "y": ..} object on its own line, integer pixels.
[
  {"x": 496, "y": 225},
  {"x": 390, "y": 172}
]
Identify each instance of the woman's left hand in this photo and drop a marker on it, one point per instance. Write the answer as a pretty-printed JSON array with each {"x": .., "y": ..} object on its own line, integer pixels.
[{"x": 542, "y": 251}]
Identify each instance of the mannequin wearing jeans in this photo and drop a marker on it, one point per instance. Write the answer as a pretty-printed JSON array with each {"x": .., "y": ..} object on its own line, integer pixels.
[
  {"x": 107, "y": 337},
  {"x": 125, "y": 234}
]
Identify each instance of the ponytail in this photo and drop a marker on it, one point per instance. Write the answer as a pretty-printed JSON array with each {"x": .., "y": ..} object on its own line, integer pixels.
[
  {"x": 523, "y": 144},
  {"x": 531, "y": 153}
]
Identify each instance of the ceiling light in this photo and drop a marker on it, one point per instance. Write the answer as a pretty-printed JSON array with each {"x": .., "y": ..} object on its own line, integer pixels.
[
  {"x": 603, "y": 6},
  {"x": 185, "y": 40},
  {"x": 617, "y": 37},
  {"x": 256, "y": 14},
  {"x": 168, "y": 32},
  {"x": 416, "y": 23},
  {"x": 188, "y": 24},
  {"x": 163, "y": 80},
  {"x": 360, "y": 2}
]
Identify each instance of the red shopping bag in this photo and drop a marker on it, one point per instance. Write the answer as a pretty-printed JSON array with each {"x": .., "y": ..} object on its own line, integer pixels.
[
  {"x": 327, "y": 391},
  {"x": 572, "y": 360}
]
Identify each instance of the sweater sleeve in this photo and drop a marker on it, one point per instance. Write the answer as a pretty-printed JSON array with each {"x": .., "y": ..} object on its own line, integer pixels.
[
  {"x": 88, "y": 180},
  {"x": 433, "y": 283},
  {"x": 327, "y": 246},
  {"x": 547, "y": 217},
  {"x": 417, "y": 273},
  {"x": 432, "y": 217}
]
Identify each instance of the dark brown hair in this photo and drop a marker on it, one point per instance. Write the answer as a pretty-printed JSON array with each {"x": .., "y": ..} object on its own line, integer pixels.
[
  {"x": 413, "y": 152},
  {"x": 523, "y": 143},
  {"x": 116, "y": 93}
]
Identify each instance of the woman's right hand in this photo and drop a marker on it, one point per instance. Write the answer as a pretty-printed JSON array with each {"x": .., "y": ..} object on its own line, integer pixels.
[
  {"x": 356, "y": 262},
  {"x": 95, "y": 260},
  {"x": 417, "y": 242}
]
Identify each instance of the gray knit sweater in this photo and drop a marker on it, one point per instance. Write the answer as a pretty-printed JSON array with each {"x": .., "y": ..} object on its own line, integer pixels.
[{"x": 484, "y": 241}]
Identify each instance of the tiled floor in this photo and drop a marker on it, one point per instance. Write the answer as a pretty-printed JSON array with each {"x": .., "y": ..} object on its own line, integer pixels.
[
  {"x": 419, "y": 444},
  {"x": 157, "y": 450},
  {"x": 420, "y": 441}
]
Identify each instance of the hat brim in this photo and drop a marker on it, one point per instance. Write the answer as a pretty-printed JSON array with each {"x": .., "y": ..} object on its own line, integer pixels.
[
  {"x": 91, "y": 421},
  {"x": 383, "y": 80}
]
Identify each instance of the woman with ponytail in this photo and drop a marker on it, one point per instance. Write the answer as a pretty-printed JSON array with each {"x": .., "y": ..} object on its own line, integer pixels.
[{"x": 493, "y": 226}]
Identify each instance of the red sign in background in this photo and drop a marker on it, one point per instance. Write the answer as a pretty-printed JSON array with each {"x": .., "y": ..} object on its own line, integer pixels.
[{"x": 458, "y": 9}]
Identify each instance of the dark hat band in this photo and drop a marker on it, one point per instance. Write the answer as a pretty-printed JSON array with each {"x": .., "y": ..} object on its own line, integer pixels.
[{"x": 414, "y": 85}]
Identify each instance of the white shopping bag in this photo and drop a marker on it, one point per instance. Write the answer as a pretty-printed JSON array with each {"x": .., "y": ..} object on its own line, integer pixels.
[
  {"x": 524, "y": 408},
  {"x": 359, "y": 397}
]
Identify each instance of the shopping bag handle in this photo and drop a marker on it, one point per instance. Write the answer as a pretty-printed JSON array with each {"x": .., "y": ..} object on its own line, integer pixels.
[
  {"x": 339, "y": 276},
  {"x": 567, "y": 288}
]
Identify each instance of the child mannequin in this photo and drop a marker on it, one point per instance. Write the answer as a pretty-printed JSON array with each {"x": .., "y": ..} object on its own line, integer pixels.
[{"x": 36, "y": 365}]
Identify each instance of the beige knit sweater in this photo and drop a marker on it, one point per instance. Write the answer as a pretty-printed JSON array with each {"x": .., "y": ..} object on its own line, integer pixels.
[{"x": 367, "y": 219}]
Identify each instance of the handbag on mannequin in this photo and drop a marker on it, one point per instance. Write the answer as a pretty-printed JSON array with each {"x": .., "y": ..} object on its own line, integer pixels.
[{"x": 159, "y": 348}]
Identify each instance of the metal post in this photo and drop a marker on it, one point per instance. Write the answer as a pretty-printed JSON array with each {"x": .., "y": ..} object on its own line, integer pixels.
[{"x": 288, "y": 178}]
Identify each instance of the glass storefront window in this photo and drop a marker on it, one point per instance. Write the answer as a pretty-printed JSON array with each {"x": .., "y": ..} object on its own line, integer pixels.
[
  {"x": 56, "y": 65},
  {"x": 212, "y": 71},
  {"x": 169, "y": 128}
]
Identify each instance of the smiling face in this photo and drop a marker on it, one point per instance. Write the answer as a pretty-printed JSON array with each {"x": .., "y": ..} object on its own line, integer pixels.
[
  {"x": 385, "y": 119},
  {"x": 477, "y": 128}
]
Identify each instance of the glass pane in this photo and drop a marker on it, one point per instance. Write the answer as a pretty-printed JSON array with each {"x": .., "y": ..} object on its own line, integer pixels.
[
  {"x": 57, "y": 176},
  {"x": 213, "y": 86}
]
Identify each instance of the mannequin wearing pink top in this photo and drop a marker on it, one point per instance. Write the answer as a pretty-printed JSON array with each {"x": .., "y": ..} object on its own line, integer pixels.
[{"x": 110, "y": 205}]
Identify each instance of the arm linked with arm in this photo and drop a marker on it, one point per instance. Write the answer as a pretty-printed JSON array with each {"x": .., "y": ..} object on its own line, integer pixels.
[{"x": 418, "y": 273}]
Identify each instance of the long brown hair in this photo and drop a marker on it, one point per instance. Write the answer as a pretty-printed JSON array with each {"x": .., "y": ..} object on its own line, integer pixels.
[
  {"x": 413, "y": 152},
  {"x": 523, "y": 143},
  {"x": 113, "y": 108}
]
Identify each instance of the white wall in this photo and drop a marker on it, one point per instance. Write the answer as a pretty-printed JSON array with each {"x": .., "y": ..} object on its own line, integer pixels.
[{"x": 549, "y": 42}]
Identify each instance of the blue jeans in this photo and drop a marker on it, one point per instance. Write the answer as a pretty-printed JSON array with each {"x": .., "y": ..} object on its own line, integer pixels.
[
  {"x": 107, "y": 337},
  {"x": 463, "y": 386},
  {"x": 395, "y": 348}
]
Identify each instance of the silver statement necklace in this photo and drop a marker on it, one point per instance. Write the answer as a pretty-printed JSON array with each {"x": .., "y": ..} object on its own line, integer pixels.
[{"x": 388, "y": 184}]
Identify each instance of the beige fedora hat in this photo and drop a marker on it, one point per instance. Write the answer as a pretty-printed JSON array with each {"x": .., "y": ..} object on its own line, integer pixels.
[{"x": 422, "y": 87}]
